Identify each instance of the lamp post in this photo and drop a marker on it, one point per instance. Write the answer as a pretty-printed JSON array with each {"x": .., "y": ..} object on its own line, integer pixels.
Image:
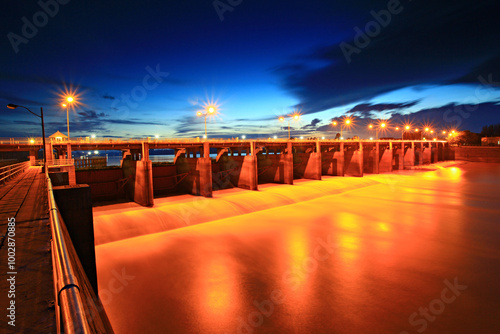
[
  {"x": 405, "y": 128},
  {"x": 345, "y": 124},
  {"x": 70, "y": 100},
  {"x": 210, "y": 110},
  {"x": 380, "y": 126},
  {"x": 295, "y": 117},
  {"x": 14, "y": 106}
]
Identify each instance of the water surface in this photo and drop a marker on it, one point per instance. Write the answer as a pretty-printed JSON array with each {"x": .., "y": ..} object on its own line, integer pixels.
[{"x": 392, "y": 253}]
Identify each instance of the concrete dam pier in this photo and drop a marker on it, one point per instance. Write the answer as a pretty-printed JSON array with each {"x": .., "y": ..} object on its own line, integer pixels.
[{"x": 243, "y": 164}]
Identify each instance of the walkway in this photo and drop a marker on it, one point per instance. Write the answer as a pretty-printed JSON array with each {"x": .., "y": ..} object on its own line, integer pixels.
[{"x": 25, "y": 199}]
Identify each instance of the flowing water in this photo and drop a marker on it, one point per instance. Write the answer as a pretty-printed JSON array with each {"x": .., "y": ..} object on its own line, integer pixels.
[{"x": 393, "y": 253}]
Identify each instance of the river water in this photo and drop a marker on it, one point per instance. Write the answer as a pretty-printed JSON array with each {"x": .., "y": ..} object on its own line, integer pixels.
[{"x": 408, "y": 252}]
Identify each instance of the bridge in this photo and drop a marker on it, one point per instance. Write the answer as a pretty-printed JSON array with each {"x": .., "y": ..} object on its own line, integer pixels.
[
  {"x": 242, "y": 163},
  {"x": 199, "y": 168}
]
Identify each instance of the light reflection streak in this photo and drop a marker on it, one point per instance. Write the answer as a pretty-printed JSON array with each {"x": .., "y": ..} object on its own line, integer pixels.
[
  {"x": 298, "y": 248},
  {"x": 217, "y": 284}
]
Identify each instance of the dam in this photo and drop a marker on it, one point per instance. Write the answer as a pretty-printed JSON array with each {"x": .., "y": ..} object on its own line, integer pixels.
[{"x": 275, "y": 237}]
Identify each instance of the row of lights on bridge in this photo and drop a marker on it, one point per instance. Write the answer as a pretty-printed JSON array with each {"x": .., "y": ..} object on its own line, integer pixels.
[{"x": 211, "y": 110}]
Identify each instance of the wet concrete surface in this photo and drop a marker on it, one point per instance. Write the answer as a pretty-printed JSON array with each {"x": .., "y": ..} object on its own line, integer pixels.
[{"x": 409, "y": 252}]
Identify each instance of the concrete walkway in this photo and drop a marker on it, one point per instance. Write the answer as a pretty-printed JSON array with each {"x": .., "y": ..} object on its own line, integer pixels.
[{"x": 25, "y": 199}]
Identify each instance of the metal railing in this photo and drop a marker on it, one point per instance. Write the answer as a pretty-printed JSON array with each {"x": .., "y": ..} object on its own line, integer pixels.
[
  {"x": 70, "y": 313},
  {"x": 151, "y": 140},
  {"x": 7, "y": 172},
  {"x": 90, "y": 163},
  {"x": 60, "y": 162}
]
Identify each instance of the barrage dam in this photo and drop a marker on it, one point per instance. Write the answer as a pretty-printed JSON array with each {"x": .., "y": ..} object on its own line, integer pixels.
[{"x": 256, "y": 236}]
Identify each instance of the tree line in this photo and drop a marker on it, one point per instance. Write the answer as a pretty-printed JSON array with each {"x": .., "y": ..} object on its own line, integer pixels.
[{"x": 491, "y": 130}]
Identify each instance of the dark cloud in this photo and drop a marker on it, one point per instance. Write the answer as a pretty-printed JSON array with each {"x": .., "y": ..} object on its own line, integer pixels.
[
  {"x": 427, "y": 43},
  {"x": 366, "y": 109},
  {"x": 91, "y": 114},
  {"x": 487, "y": 73},
  {"x": 109, "y": 97},
  {"x": 313, "y": 124},
  {"x": 460, "y": 116}
]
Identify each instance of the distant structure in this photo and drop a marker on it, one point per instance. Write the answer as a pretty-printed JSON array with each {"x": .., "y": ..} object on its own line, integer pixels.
[
  {"x": 490, "y": 141},
  {"x": 58, "y": 136}
]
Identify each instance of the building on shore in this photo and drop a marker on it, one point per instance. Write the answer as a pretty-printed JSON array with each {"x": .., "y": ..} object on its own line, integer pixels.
[{"x": 490, "y": 141}]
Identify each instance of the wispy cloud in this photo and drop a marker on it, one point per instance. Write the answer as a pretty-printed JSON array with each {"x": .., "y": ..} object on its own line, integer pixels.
[{"x": 409, "y": 51}]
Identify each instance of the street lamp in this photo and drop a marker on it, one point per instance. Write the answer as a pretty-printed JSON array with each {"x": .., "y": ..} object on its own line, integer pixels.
[
  {"x": 295, "y": 117},
  {"x": 14, "y": 106},
  {"x": 69, "y": 99},
  {"x": 406, "y": 128},
  {"x": 209, "y": 110},
  {"x": 345, "y": 124},
  {"x": 381, "y": 126}
]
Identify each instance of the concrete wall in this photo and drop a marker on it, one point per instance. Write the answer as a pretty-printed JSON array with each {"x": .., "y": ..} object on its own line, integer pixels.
[
  {"x": 476, "y": 153},
  {"x": 307, "y": 166},
  {"x": 398, "y": 158},
  {"x": 75, "y": 206},
  {"x": 409, "y": 156},
  {"x": 139, "y": 187},
  {"x": 386, "y": 158},
  {"x": 235, "y": 171},
  {"x": 426, "y": 154},
  {"x": 275, "y": 168},
  {"x": 165, "y": 180},
  {"x": 353, "y": 160},
  {"x": 333, "y": 162},
  {"x": 370, "y": 158},
  {"x": 104, "y": 184},
  {"x": 199, "y": 180}
]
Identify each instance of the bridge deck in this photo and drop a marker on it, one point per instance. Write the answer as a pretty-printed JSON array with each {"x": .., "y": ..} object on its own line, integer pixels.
[{"x": 25, "y": 199}]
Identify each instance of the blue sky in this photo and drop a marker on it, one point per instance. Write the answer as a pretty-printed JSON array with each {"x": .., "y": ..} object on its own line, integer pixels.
[{"x": 145, "y": 68}]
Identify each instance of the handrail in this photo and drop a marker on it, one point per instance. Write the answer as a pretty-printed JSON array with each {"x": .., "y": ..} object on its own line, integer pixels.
[
  {"x": 60, "y": 162},
  {"x": 68, "y": 299},
  {"x": 121, "y": 141},
  {"x": 7, "y": 172}
]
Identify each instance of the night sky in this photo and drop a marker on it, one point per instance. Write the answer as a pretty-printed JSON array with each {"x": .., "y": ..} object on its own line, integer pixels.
[{"x": 145, "y": 68}]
